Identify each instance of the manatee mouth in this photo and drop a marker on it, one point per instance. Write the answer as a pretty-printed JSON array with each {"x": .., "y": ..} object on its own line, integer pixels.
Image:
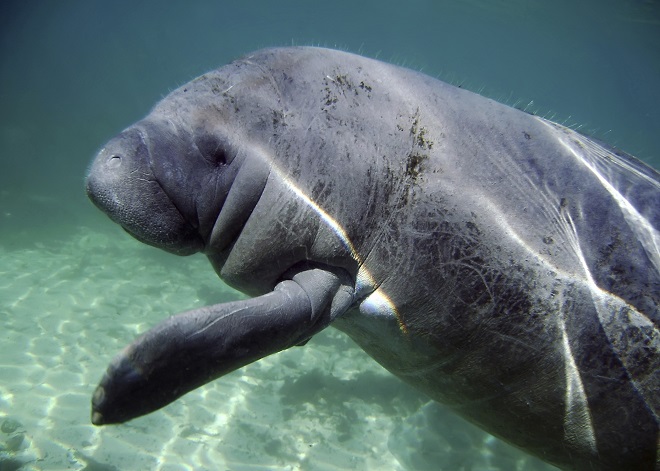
[{"x": 163, "y": 245}]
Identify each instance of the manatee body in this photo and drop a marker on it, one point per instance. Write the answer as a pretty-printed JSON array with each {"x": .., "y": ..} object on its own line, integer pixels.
[{"x": 505, "y": 265}]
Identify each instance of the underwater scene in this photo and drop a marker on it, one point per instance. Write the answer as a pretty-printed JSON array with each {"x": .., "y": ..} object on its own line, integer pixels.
[{"x": 75, "y": 288}]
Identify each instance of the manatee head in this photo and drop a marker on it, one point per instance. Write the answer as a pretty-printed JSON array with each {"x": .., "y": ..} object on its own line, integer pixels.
[
  {"x": 148, "y": 180},
  {"x": 226, "y": 165}
]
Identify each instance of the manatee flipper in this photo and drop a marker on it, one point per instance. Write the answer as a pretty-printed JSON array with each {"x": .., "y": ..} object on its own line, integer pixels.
[{"x": 198, "y": 346}]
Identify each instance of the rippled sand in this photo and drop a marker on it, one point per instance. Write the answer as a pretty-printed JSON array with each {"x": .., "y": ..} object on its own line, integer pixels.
[{"x": 68, "y": 307}]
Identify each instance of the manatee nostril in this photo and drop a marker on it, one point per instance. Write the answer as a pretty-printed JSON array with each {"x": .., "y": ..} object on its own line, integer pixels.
[{"x": 114, "y": 161}]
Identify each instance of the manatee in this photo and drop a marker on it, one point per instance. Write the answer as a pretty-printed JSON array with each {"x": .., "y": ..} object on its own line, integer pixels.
[{"x": 503, "y": 264}]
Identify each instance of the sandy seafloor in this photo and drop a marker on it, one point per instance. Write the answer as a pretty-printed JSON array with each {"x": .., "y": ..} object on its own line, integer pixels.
[{"x": 68, "y": 306}]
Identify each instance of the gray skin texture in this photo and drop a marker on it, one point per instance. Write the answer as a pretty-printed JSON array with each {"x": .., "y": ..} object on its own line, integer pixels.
[{"x": 505, "y": 265}]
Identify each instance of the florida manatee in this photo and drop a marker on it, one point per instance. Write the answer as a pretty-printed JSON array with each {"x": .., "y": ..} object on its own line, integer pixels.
[{"x": 503, "y": 264}]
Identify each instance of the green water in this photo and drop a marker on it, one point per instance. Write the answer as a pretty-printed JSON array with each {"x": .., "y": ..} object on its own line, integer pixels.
[{"x": 74, "y": 289}]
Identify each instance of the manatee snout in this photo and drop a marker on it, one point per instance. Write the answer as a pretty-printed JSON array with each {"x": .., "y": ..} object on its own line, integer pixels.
[
  {"x": 110, "y": 173},
  {"x": 121, "y": 183}
]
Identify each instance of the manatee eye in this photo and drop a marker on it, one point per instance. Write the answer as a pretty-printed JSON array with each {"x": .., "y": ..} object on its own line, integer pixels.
[
  {"x": 218, "y": 156},
  {"x": 214, "y": 150}
]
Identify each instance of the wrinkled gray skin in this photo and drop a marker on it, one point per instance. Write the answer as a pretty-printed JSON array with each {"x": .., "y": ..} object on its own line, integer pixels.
[{"x": 504, "y": 265}]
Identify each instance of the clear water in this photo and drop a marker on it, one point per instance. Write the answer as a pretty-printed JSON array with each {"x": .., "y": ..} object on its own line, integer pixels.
[{"x": 74, "y": 289}]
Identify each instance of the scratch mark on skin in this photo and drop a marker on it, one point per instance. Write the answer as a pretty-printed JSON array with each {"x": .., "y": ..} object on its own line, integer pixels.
[
  {"x": 479, "y": 273},
  {"x": 217, "y": 319},
  {"x": 515, "y": 340}
]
